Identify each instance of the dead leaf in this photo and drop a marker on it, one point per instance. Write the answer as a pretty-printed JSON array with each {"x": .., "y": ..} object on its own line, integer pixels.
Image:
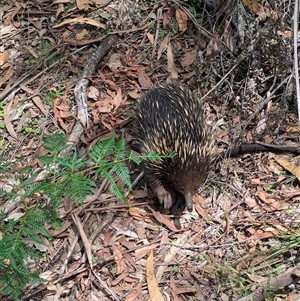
[
  {"x": 291, "y": 167},
  {"x": 61, "y": 1},
  {"x": 153, "y": 288},
  {"x": 163, "y": 46},
  {"x": 289, "y": 193},
  {"x": 118, "y": 259},
  {"x": 140, "y": 253},
  {"x": 80, "y": 20},
  {"x": 268, "y": 139},
  {"x": 101, "y": 3},
  {"x": 213, "y": 47},
  {"x": 168, "y": 16},
  {"x": 293, "y": 129},
  {"x": 189, "y": 57},
  {"x": 93, "y": 93},
  {"x": 7, "y": 29},
  {"x": 263, "y": 197},
  {"x": 134, "y": 94},
  {"x": 144, "y": 80},
  {"x": 135, "y": 292},
  {"x": 164, "y": 220},
  {"x": 201, "y": 212},
  {"x": 255, "y": 181},
  {"x": 257, "y": 278},
  {"x": 150, "y": 37},
  {"x": 250, "y": 202},
  {"x": 83, "y": 4},
  {"x": 7, "y": 119},
  {"x": 3, "y": 57},
  {"x": 140, "y": 214},
  {"x": 139, "y": 194},
  {"x": 38, "y": 102},
  {"x": 6, "y": 73},
  {"x": 14, "y": 216},
  {"x": 120, "y": 278},
  {"x": 264, "y": 234},
  {"x": 81, "y": 35},
  {"x": 173, "y": 287},
  {"x": 117, "y": 100},
  {"x": 62, "y": 112},
  {"x": 181, "y": 18},
  {"x": 293, "y": 296},
  {"x": 227, "y": 34},
  {"x": 114, "y": 61},
  {"x": 273, "y": 204},
  {"x": 36, "y": 99},
  {"x": 261, "y": 11}
]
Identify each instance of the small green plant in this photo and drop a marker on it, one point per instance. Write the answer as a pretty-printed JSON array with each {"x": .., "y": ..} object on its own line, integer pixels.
[
  {"x": 174, "y": 270},
  {"x": 2, "y": 105},
  {"x": 143, "y": 55},
  {"x": 73, "y": 176},
  {"x": 234, "y": 111},
  {"x": 50, "y": 95},
  {"x": 45, "y": 46},
  {"x": 30, "y": 62},
  {"x": 32, "y": 126},
  {"x": 161, "y": 34},
  {"x": 151, "y": 26},
  {"x": 113, "y": 270}
]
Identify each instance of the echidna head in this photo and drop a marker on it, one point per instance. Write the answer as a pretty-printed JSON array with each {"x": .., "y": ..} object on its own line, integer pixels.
[{"x": 189, "y": 179}]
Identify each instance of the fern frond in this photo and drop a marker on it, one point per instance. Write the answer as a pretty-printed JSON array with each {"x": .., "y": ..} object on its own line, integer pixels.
[
  {"x": 46, "y": 160},
  {"x": 121, "y": 144},
  {"x": 11, "y": 224},
  {"x": 27, "y": 232},
  {"x": 36, "y": 222},
  {"x": 121, "y": 170},
  {"x": 101, "y": 150},
  {"x": 55, "y": 143},
  {"x": 121, "y": 149},
  {"x": 134, "y": 158},
  {"x": 114, "y": 188},
  {"x": 77, "y": 187},
  {"x": 67, "y": 176},
  {"x": 117, "y": 191},
  {"x": 71, "y": 164}
]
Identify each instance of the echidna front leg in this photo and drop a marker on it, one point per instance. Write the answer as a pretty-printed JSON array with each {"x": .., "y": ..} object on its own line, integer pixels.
[{"x": 164, "y": 196}]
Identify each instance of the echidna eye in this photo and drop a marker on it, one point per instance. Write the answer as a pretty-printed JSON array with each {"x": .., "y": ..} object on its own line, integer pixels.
[{"x": 179, "y": 187}]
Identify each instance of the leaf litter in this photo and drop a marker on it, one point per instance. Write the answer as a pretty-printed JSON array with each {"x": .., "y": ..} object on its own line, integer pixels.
[{"x": 249, "y": 207}]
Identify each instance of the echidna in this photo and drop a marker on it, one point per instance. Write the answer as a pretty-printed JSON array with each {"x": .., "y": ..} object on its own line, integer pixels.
[{"x": 169, "y": 118}]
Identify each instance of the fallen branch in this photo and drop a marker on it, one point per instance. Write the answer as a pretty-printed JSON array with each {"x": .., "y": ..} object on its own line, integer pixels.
[{"x": 80, "y": 91}]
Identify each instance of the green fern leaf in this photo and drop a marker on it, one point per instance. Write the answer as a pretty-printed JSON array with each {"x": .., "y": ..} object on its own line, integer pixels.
[
  {"x": 134, "y": 158},
  {"x": 55, "y": 143},
  {"x": 77, "y": 187},
  {"x": 72, "y": 164},
  {"x": 102, "y": 149},
  {"x": 122, "y": 172},
  {"x": 47, "y": 160},
  {"x": 117, "y": 191}
]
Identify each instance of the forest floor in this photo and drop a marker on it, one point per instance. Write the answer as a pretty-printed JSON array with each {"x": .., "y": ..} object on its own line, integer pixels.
[{"x": 241, "y": 240}]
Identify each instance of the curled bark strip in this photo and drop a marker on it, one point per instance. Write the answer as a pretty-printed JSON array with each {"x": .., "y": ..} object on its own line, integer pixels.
[
  {"x": 274, "y": 284},
  {"x": 80, "y": 89}
]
